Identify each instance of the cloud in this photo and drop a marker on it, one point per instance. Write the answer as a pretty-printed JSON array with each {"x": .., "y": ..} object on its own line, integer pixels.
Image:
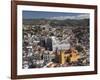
[{"x": 81, "y": 16}]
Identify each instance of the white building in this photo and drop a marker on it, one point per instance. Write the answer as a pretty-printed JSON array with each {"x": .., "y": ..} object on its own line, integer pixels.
[{"x": 64, "y": 44}]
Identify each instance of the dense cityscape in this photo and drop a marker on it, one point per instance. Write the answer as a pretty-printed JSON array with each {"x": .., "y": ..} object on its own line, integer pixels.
[{"x": 55, "y": 43}]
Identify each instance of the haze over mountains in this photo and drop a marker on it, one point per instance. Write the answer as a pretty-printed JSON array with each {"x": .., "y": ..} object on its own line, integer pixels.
[
  {"x": 82, "y": 16},
  {"x": 55, "y": 18}
]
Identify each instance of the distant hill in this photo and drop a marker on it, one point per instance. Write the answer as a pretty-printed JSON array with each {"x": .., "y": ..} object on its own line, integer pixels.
[{"x": 54, "y": 22}]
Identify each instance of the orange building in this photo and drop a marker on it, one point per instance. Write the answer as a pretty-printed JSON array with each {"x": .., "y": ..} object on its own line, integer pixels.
[{"x": 74, "y": 56}]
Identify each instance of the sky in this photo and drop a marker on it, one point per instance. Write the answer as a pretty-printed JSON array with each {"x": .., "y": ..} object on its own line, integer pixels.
[{"x": 52, "y": 15}]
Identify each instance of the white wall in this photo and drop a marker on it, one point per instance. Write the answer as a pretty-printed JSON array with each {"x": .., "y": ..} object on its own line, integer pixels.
[{"x": 5, "y": 36}]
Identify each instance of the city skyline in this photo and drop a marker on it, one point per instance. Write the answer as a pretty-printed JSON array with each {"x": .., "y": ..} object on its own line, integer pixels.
[{"x": 55, "y": 39}]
